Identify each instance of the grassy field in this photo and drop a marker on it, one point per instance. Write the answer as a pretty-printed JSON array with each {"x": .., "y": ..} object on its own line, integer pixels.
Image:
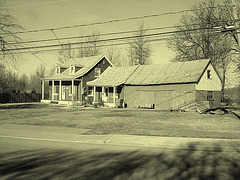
[{"x": 125, "y": 121}]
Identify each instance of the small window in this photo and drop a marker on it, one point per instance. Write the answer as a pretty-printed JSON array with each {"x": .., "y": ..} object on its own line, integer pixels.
[
  {"x": 209, "y": 74},
  {"x": 209, "y": 95},
  {"x": 97, "y": 72},
  {"x": 57, "y": 70},
  {"x": 72, "y": 69},
  {"x": 103, "y": 61},
  {"x": 90, "y": 91}
]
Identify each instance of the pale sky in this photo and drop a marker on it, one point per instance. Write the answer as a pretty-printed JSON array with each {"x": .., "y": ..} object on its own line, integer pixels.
[{"x": 41, "y": 14}]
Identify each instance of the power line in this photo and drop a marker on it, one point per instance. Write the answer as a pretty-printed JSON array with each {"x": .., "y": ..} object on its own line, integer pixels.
[
  {"x": 104, "y": 34},
  {"x": 115, "y": 20},
  {"x": 103, "y": 45},
  {"x": 57, "y": 38},
  {"x": 104, "y": 40},
  {"x": 87, "y": 36}
]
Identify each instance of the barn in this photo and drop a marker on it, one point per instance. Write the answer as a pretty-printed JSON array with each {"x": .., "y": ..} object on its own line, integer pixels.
[{"x": 185, "y": 86}]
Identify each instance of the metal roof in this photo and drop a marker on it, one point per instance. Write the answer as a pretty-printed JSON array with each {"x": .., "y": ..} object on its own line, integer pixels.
[
  {"x": 86, "y": 64},
  {"x": 113, "y": 76},
  {"x": 169, "y": 73}
]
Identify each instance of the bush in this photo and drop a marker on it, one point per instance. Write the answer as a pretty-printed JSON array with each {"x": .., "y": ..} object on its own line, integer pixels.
[
  {"x": 101, "y": 103},
  {"x": 95, "y": 105}
]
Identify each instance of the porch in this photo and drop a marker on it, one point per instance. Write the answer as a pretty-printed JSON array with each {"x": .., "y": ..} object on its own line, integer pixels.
[
  {"x": 62, "y": 91},
  {"x": 110, "y": 96}
]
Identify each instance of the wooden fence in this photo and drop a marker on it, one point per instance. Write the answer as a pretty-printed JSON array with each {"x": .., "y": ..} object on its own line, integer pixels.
[{"x": 19, "y": 97}]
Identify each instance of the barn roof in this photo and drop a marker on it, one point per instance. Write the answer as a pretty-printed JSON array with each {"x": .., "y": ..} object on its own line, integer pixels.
[
  {"x": 113, "y": 76},
  {"x": 85, "y": 65},
  {"x": 169, "y": 73}
]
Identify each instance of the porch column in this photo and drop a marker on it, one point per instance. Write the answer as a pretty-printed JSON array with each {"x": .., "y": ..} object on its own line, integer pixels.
[
  {"x": 81, "y": 90},
  {"x": 114, "y": 96},
  {"x": 103, "y": 93},
  {"x": 94, "y": 93},
  {"x": 42, "y": 89},
  {"x": 72, "y": 89},
  {"x": 60, "y": 90},
  {"x": 52, "y": 89}
]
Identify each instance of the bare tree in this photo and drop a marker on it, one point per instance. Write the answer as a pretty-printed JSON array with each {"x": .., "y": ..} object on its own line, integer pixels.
[
  {"x": 35, "y": 79},
  {"x": 23, "y": 83},
  {"x": 116, "y": 57},
  {"x": 90, "y": 45},
  {"x": 8, "y": 39},
  {"x": 139, "y": 51},
  {"x": 66, "y": 53},
  {"x": 199, "y": 37}
]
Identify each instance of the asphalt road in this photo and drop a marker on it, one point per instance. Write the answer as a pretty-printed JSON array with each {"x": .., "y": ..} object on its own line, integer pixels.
[
  {"x": 25, "y": 137},
  {"x": 31, "y": 152}
]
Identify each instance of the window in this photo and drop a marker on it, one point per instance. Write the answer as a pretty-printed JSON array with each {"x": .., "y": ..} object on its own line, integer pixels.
[
  {"x": 97, "y": 72},
  {"x": 72, "y": 69},
  {"x": 90, "y": 91},
  {"x": 209, "y": 74},
  {"x": 209, "y": 95},
  {"x": 57, "y": 70}
]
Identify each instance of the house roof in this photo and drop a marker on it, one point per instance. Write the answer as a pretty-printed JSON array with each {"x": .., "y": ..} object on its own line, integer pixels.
[
  {"x": 113, "y": 76},
  {"x": 169, "y": 73},
  {"x": 86, "y": 64}
]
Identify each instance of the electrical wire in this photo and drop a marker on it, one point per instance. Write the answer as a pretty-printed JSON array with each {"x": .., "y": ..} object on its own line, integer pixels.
[
  {"x": 115, "y": 20},
  {"x": 105, "y": 34},
  {"x": 107, "y": 40},
  {"x": 99, "y": 46}
]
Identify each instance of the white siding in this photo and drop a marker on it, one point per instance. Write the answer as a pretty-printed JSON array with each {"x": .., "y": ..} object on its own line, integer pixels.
[{"x": 212, "y": 84}]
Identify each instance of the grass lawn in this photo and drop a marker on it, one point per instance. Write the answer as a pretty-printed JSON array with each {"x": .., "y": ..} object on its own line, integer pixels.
[{"x": 126, "y": 121}]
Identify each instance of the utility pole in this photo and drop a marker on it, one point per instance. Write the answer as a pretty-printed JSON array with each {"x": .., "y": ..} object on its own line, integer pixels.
[{"x": 236, "y": 23}]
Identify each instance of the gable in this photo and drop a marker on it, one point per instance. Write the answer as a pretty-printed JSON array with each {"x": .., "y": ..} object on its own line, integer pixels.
[
  {"x": 212, "y": 83},
  {"x": 81, "y": 65}
]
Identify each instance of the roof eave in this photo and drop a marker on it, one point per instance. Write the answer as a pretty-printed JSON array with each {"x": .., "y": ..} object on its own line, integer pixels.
[{"x": 158, "y": 84}]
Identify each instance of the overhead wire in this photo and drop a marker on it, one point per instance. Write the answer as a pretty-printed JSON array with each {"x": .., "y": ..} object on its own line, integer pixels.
[
  {"x": 115, "y": 20},
  {"x": 102, "y": 45},
  {"x": 104, "y": 34},
  {"x": 106, "y": 40}
]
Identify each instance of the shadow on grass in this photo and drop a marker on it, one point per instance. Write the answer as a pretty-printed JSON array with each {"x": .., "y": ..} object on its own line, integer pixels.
[{"x": 214, "y": 163}]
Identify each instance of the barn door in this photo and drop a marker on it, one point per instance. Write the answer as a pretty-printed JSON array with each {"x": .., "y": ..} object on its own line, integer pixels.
[
  {"x": 164, "y": 100},
  {"x": 145, "y": 98}
]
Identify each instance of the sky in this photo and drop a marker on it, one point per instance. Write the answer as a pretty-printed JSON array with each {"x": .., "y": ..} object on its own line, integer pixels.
[{"x": 51, "y": 14}]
